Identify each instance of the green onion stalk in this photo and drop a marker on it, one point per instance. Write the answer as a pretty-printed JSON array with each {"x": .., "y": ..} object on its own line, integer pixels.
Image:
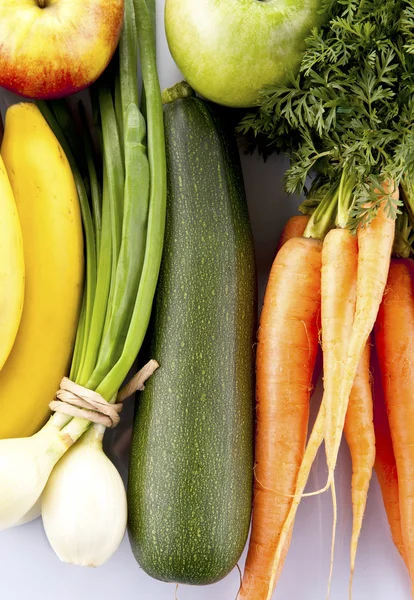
[{"x": 124, "y": 220}]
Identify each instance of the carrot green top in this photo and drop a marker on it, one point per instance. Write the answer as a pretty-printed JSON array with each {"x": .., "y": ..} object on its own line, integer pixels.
[{"x": 350, "y": 107}]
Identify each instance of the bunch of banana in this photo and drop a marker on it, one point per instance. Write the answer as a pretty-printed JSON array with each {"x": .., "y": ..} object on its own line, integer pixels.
[{"x": 40, "y": 294}]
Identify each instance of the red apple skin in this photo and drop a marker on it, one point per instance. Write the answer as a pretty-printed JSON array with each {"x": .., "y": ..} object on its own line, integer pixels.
[{"x": 59, "y": 49}]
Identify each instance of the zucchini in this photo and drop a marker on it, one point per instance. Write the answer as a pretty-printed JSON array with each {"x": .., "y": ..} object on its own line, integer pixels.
[{"x": 191, "y": 470}]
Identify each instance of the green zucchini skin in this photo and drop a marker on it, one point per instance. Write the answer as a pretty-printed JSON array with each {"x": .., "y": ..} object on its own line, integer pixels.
[{"x": 191, "y": 470}]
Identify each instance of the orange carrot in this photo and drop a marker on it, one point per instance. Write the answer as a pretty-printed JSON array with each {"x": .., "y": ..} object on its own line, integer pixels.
[
  {"x": 339, "y": 278},
  {"x": 343, "y": 277},
  {"x": 394, "y": 337},
  {"x": 360, "y": 437},
  {"x": 385, "y": 465},
  {"x": 374, "y": 253},
  {"x": 286, "y": 351},
  {"x": 338, "y": 297},
  {"x": 295, "y": 227},
  {"x": 312, "y": 447},
  {"x": 375, "y": 245},
  {"x": 339, "y": 272}
]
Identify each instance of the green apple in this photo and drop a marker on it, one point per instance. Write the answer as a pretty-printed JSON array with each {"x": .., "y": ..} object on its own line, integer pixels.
[{"x": 229, "y": 49}]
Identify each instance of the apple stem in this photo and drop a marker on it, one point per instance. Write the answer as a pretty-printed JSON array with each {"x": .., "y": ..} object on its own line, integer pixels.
[
  {"x": 177, "y": 92},
  {"x": 41, "y": 3}
]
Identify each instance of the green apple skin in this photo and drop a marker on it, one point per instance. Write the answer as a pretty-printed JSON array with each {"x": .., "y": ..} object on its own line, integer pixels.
[{"x": 229, "y": 49}]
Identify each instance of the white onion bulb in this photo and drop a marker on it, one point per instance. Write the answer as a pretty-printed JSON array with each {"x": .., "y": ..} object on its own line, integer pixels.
[{"x": 84, "y": 506}]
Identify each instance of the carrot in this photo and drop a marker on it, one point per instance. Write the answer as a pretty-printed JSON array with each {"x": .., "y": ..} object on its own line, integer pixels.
[
  {"x": 338, "y": 295},
  {"x": 358, "y": 428},
  {"x": 312, "y": 447},
  {"x": 338, "y": 285},
  {"x": 295, "y": 227},
  {"x": 360, "y": 437},
  {"x": 338, "y": 299},
  {"x": 286, "y": 351},
  {"x": 385, "y": 465},
  {"x": 374, "y": 253},
  {"x": 339, "y": 272},
  {"x": 394, "y": 337},
  {"x": 375, "y": 245}
]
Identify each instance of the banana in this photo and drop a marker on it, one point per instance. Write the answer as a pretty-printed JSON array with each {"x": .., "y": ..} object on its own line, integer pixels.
[
  {"x": 49, "y": 212},
  {"x": 11, "y": 267}
]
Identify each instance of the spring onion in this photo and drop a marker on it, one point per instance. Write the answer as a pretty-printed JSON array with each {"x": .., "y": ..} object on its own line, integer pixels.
[{"x": 128, "y": 221}]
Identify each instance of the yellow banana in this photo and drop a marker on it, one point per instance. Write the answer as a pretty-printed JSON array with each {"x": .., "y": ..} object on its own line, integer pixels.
[
  {"x": 49, "y": 212},
  {"x": 11, "y": 267}
]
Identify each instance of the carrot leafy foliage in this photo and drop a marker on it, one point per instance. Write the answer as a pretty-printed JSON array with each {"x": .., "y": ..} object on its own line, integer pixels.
[{"x": 350, "y": 108}]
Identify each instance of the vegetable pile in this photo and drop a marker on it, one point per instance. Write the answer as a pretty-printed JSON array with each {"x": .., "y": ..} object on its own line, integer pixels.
[
  {"x": 345, "y": 120},
  {"x": 89, "y": 189}
]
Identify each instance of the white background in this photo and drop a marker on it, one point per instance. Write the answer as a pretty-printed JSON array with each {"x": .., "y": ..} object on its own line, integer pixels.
[{"x": 29, "y": 568}]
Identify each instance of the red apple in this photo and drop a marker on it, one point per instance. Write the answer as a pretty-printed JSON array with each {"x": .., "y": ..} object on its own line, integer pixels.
[{"x": 53, "y": 48}]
